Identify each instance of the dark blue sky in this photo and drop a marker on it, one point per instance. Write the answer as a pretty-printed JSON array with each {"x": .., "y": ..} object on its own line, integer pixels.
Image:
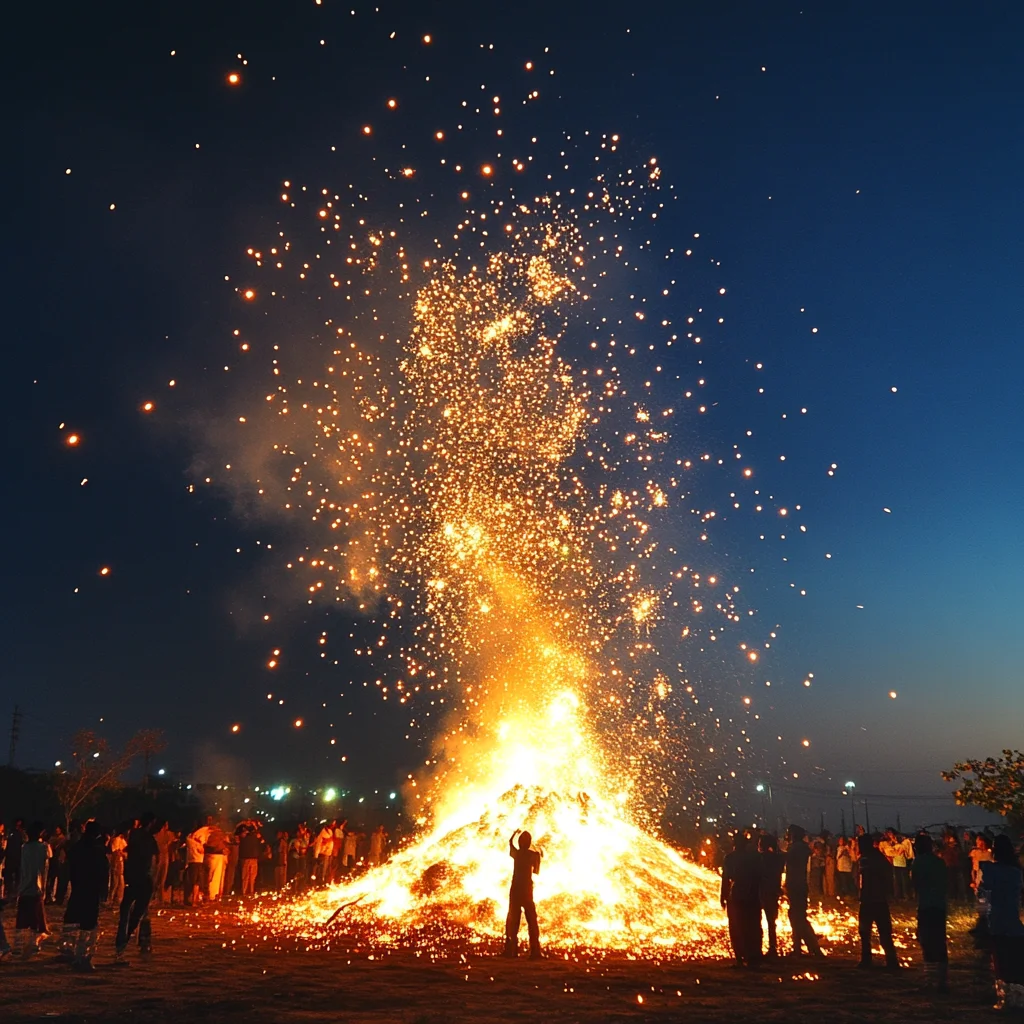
[{"x": 869, "y": 175}]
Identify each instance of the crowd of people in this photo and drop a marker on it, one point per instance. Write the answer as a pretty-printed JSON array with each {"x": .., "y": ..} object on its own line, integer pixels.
[
  {"x": 145, "y": 861},
  {"x": 877, "y": 870}
]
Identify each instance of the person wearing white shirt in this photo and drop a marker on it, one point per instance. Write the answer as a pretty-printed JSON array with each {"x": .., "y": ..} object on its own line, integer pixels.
[
  {"x": 195, "y": 854},
  {"x": 323, "y": 848},
  {"x": 901, "y": 853},
  {"x": 118, "y": 848}
]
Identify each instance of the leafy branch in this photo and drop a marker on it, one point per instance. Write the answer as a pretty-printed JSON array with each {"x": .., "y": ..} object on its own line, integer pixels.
[{"x": 995, "y": 784}]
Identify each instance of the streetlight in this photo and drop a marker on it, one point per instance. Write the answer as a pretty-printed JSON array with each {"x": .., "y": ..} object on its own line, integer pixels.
[
  {"x": 762, "y": 788},
  {"x": 850, "y": 787}
]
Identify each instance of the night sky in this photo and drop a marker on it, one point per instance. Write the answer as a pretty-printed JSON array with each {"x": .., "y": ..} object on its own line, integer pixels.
[{"x": 852, "y": 170}]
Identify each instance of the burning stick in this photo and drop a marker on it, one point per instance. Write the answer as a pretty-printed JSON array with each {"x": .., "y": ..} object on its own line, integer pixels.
[{"x": 344, "y": 906}]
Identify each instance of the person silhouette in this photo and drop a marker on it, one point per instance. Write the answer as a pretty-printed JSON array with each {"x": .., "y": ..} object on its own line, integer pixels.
[
  {"x": 798, "y": 853},
  {"x": 526, "y": 863}
]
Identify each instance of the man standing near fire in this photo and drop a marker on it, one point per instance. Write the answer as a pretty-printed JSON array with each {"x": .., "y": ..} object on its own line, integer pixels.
[{"x": 526, "y": 863}]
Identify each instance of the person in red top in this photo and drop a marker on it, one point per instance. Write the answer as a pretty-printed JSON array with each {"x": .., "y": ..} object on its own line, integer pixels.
[{"x": 526, "y": 863}]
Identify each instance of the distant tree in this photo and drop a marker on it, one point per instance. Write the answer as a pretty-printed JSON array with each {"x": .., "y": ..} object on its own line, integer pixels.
[
  {"x": 94, "y": 767},
  {"x": 997, "y": 784}
]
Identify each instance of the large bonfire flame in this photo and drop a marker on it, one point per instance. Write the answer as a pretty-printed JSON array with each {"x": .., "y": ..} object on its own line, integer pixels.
[
  {"x": 604, "y": 882},
  {"x": 454, "y": 498}
]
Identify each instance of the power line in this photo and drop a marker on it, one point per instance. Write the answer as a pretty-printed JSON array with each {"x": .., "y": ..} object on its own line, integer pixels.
[{"x": 858, "y": 795}]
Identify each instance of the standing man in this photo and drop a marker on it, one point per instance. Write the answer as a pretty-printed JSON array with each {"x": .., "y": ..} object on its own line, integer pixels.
[
  {"x": 350, "y": 849},
  {"x": 901, "y": 854},
  {"x": 298, "y": 848},
  {"x": 195, "y": 866},
  {"x": 337, "y": 848},
  {"x": 164, "y": 839},
  {"x": 139, "y": 871},
  {"x": 741, "y": 899},
  {"x": 64, "y": 869},
  {"x": 980, "y": 854},
  {"x": 950, "y": 854},
  {"x": 378, "y": 844},
  {"x": 216, "y": 861},
  {"x": 31, "y": 915},
  {"x": 281, "y": 861},
  {"x": 58, "y": 859},
  {"x": 797, "y": 855},
  {"x": 250, "y": 849},
  {"x": 231, "y": 840},
  {"x": 526, "y": 864},
  {"x": 772, "y": 865},
  {"x": 118, "y": 850},
  {"x": 12, "y": 858},
  {"x": 323, "y": 850},
  {"x": 87, "y": 866},
  {"x": 875, "y": 887},
  {"x": 931, "y": 883}
]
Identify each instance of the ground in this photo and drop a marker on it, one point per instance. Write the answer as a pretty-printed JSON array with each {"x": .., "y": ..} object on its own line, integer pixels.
[{"x": 204, "y": 967}]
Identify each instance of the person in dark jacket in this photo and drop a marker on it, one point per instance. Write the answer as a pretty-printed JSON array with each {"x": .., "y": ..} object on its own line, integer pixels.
[
  {"x": 931, "y": 884},
  {"x": 797, "y": 855},
  {"x": 1000, "y": 892},
  {"x": 58, "y": 862},
  {"x": 250, "y": 849},
  {"x": 741, "y": 899},
  {"x": 12, "y": 858},
  {"x": 88, "y": 871},
  {"x": 875, "y": 889},
  {"x": 772, "y": 865},
  {"x": 139, "y": 872}
]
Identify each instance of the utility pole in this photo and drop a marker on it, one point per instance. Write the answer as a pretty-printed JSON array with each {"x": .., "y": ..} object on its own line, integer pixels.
[
  {"x": 867, "y": 818},
  {"x": 15, "y": 732}
]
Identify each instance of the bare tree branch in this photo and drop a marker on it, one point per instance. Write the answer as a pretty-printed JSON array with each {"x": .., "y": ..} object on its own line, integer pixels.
[{"x": 94, "y": 767}]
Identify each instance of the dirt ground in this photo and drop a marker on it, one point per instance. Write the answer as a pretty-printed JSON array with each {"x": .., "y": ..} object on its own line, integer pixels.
[{"x": 204, "y": 967}]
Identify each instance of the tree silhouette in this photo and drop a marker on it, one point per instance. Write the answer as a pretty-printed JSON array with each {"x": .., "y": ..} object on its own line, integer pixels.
[
  {"x": 997, "y": 784},
  {"x": 95, "y": 766}
]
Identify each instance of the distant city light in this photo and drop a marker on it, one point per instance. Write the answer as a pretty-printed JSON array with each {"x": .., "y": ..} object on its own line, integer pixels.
[
  {"x": 162, "y": 771},
  {"x": 280, "y": 792},
  {"x": 330, "y": 794}
]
